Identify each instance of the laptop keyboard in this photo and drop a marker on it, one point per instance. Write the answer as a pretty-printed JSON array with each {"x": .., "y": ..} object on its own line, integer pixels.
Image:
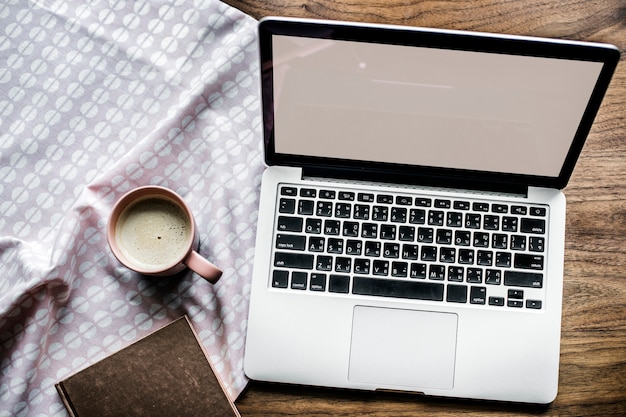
[{"x": 474, "y": 252}]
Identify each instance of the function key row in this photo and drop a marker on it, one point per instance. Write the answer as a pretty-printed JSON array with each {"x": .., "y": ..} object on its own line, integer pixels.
[{"x": 402, "y": 200}]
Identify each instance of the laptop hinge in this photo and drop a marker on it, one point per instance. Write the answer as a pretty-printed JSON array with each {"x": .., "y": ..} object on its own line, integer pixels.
[{"x": 396, "y": 178}]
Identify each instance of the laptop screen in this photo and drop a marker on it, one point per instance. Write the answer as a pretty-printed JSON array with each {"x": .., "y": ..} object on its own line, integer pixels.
[{"x": 447, "y": 106}]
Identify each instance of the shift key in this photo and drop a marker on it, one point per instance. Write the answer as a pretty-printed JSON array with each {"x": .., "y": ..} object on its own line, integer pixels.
[{"x": 293, "y": 260}]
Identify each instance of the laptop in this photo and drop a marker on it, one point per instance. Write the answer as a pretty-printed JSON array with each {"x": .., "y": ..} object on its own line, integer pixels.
[{"x": 411, "y": 223}]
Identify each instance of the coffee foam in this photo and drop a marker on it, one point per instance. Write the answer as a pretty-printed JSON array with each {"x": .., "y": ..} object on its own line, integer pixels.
[{"x": 153, "y": 233}]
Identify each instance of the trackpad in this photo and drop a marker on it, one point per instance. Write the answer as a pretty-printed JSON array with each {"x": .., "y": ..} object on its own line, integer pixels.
[{"x": 403, "y": 348}]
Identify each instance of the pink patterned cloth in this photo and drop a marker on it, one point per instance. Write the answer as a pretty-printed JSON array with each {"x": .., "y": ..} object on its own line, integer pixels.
[{"x": 98, "y": 98}]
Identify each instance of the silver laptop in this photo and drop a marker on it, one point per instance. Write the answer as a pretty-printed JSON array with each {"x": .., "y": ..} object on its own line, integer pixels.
[{"x": 411, "y": 224}]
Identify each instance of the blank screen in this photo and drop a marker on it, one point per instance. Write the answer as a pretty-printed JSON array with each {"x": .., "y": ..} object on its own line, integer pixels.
[{"x": 426, "y": 106}]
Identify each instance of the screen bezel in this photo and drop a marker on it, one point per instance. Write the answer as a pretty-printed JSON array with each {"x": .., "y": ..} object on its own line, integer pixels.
[{"x": 455, "y": 40}]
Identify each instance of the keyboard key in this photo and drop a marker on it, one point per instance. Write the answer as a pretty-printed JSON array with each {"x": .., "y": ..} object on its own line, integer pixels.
[
  {"x": 343, "y": 264},
  {"x": 306, "y": 207},
  {"x": 533, "y": 304},
  {"x": 444, "y": 236},
  {"x": 317, "y": 282},
  {"x": 491, "y": 222},
  {"x": 388, "y": 231},
  {"x": 280, "y": 279},
  {"x": 418, "y": 271},
  {"x": 454, "y": 219},
  {"x": 478, "y": 295},
  {"x": 380, "y": 213},
  {"x": 509, "y": 224},
  {"x": 324, "y": 208},
  {"x": 380, "y": 267},
  {"x": 496, "y": 301},
  {"x": 425, "y": 235},
  {"x": 466, "y": 256},
  {"x": 456, "y": 273},
  {"x": 518, "y": 242},
  {"x": 417, "y": 216},
  {"x": 520, "y": 210},
  {"x": 523, "y": 279},
  {"x": 293, "y": 260},
  {"x": 335, "y": 246},
  {"x": 401, "y": 289},
  {"x": 324, "y": 263},
  {"x": 313, "y": 226},
  {"x": 404, "y": 200},
  {"x": 499, "y": 241},
  {"x": 399, "y": 269},
  {"x": 362, "y": 266},
  {"x": 327, "y": 194},
  {"x": 308, "y": 192},
  {"x": 299, "y": 280},
  {"x": 437, "y": 272},
  {"x": 435, "y": 218},
  {"x": 384, "y": 199},
  {"x": 480, "y": 206},
  {"x": 339, "y": 284},
  {"x": 290, "y": 191},
  {"x": 475, "y": 275},
  {"x": 410, "y": 252},
  {"x": 484, "y": 258},
  {"x": 346, "y": 195},
  {"x": 287, "y": 205},
  {"x": 447, "y": 255},
  {"x": 538, "y": 211},
  {"x": 291, "y": 242},
  {"x": 354, "y": 247},
  {"x": 343, "y": 210},
  {"x": 365, "y": 197},
  {"x": 361, "y": 212},
  {"x": 536, "y": 226},
  {"x": 391, "y": 250},
  {"x": 536, "y": 244},
  {"x": 316, "y": 244},
  {"x": 503, "y": 259},
  {"x": 423, "y": 202},
  {"x": 350, "y": 229},
  {"x": 493, "y": 276},
  {"x": 456, "y": 293},
  {"x": 500, "y": 208},
  {"x": 523, "y": 261},
  {"x": 429, "y": 253},
  {"x": 289, "y": 224},
  {"x": 461, "y": 205},
  {"x": 443, "y": 203},
  {"x": 372, "y": 249},
  {"x": 406, "y": 233},
  {"x": 398, "y": 214},
  {"x": 369, "y": 230},
  {"x": 331, "y": 227},
  {"x": 472, "y": 220}
]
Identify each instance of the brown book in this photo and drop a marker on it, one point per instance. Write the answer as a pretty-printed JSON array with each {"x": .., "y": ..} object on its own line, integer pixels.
[{"x": 167, "y": 373}]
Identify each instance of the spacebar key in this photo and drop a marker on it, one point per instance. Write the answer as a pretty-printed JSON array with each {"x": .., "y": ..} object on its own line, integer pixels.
[
  {"x": 400, "y": 289},
  {"x": 293, "y": 260}
]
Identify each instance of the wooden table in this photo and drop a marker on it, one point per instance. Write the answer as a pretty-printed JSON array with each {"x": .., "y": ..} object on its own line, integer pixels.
[{"x": 593, "y": 341}]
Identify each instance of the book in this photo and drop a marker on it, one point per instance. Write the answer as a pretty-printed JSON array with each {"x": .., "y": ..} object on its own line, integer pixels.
[{"x": 166, "y": 373}]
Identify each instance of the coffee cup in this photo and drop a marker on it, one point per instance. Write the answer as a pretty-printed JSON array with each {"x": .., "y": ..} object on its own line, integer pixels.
[{"x": 151, "y": 230}]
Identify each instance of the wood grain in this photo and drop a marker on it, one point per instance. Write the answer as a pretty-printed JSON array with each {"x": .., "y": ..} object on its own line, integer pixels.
[{"x": 593, "y": 343}]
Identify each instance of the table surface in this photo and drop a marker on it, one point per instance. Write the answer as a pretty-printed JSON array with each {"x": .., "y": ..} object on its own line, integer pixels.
[{"x": 593, "y": 340}]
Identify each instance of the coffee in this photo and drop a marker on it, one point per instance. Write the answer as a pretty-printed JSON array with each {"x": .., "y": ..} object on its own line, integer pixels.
[{"x": 153, "y": 232}]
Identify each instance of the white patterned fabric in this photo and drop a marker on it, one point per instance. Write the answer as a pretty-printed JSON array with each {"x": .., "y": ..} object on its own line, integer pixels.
[{"x": 97, "y": 98}]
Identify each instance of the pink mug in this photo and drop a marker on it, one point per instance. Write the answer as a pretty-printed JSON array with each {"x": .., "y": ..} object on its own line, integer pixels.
[{"x": 152, "y": 231}]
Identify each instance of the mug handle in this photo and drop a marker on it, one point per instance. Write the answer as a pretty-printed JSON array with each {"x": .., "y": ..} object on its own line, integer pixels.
[{"x": 203, "y": 267}]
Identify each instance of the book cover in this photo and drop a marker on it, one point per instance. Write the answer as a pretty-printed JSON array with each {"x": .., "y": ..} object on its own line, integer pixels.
[{"x": 166, "y": 373}]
